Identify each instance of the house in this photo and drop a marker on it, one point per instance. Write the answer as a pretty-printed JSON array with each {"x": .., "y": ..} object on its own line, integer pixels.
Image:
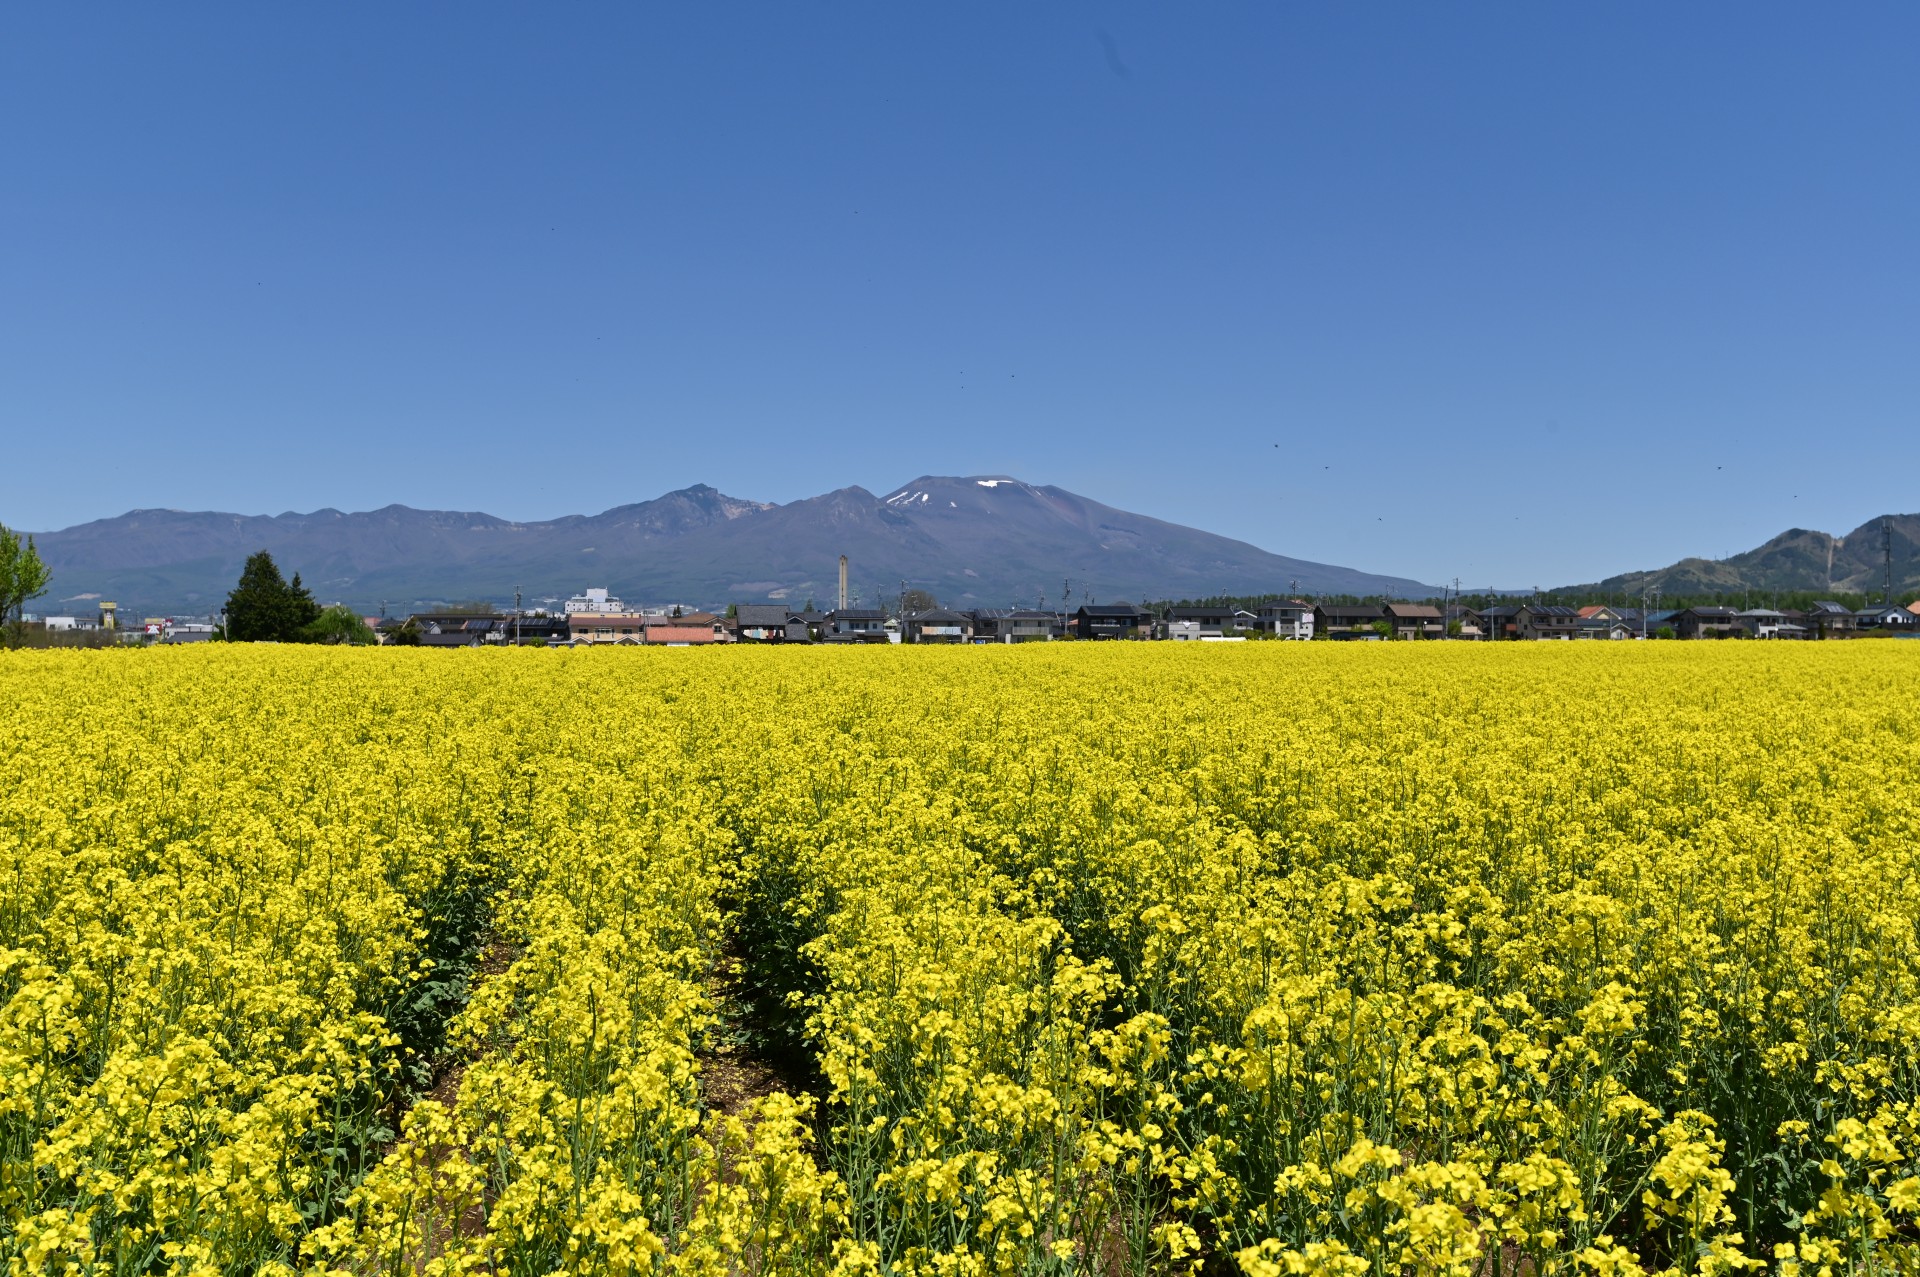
[
  {"x": 449, "y": 638},
  {"x": 1696, "y": 623},
  {"x": 856, "y": 625},
  {"x": 937, "y": 625},
  {"x": 1181, "y": 631},
  {"x": 1415, "y": 620},
  {"x": 1211, "y": 620},
  {"x": 682, "y": 632},
  {"x": 1110, "y": 621},
  {"x": 1348, "y": 620},
  {"x": 1764, "y": 622},
  {"x": 606, "y": 627},
  {"x": 1704, "y": 622},
  {"x": 1547, "y": 621},
  {"x": 1888, "y": 619},
  {"x": 1530, "y": 621},
  {"x": 1602, "y": 627},
  {"x": 542, "y": 628},
  {"x": 1015, "y": 625},
  {"x": 1244, "y": 620},
  {"x": 1831, "y": 620},
  {"x": 762, "y": 622},
  {"x": 1289, "y": 620},
  {"x": 1501, "y": 621}
]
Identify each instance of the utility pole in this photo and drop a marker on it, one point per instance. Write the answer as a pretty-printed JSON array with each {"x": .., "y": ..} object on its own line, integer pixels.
[{"x": 516, "y": 616}]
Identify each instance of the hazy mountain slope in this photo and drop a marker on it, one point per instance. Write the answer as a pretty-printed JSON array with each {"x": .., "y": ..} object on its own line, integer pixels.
[
  {"x": 1797, "y": 559},
  {"x": 987, "y": 541}
]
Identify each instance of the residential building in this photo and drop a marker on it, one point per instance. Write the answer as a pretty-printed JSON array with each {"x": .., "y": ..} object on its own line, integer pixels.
[
  {"x": 1704, "y": 622},
  {"x": 1831, "y": 620},
  {"x": 448, "y": 638},
  {"x": 763, "y": 622},
  {"x": 1182, "y": 631},
  {"x": 1766, "y": 623},
  {"x": 1348, "y": 620},
  {"x": 1015, "y": 625},
  {"x": 1529, "y": 621},
  {"x": 1888, "y": 619},
  {"x": 683, "y": 632},
  {"x": 1547, "y": 621},
  {"x": 1601, "y": 627},
  {"x": 1110, "y": 621},
  {"x": 856, "y": 625},
  {"x": 1415, "y": 620},
  {"x": 537, "y": 627},
  {"x": 937, "y": 625},
  {"x": 606, "y": 627},
  {"x": 1211, "y": 620},
  {"x": 1289, "y": 620}
]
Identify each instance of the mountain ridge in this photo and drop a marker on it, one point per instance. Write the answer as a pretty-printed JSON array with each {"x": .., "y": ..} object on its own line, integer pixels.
[
  {"x": 1798, "y": 559},
  {"x": 978, "y": 540}
]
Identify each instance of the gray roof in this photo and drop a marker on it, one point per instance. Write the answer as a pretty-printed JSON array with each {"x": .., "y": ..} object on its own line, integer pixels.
[{"x": 762, "y": 614}]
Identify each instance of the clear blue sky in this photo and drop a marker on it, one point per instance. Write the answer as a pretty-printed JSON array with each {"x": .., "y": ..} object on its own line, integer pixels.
[{"x": 1525, "y": 293}]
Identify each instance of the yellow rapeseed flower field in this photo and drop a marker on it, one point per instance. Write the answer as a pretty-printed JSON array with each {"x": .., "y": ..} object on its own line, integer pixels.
[{"x": 1111, "y": 959}]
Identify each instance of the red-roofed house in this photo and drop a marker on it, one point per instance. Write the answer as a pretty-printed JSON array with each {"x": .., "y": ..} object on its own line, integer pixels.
[{"x": 681, "y": 634}]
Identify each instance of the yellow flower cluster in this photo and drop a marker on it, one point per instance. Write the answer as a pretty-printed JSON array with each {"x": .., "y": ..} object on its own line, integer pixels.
[{"x": 1122, "y": 959}]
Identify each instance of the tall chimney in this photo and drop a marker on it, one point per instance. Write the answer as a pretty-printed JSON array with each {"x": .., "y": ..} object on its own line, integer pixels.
[{"x": 843, "y": 582}]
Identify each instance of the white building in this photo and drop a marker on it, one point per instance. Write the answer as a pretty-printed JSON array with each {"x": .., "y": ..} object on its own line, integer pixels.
[
  {"x": 595, "y": 600},
  {"x": 1289, "y": 620}
]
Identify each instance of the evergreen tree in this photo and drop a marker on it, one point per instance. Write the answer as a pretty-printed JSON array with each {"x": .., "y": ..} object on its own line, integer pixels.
[
  {"x": 263, "y": 608},
  {"x": 301, "y": 607}
]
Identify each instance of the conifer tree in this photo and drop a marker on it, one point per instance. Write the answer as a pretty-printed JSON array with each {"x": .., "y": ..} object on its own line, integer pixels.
[{"x": 263, "y": 608}]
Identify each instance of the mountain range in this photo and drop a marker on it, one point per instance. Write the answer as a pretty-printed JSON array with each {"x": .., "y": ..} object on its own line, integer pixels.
[
  {"x": 1797, "y": 559},
  {"x": 984, "y": 540}
]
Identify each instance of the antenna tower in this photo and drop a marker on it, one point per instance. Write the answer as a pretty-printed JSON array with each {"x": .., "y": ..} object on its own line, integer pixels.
[{"x": 1886, "y": 549}]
